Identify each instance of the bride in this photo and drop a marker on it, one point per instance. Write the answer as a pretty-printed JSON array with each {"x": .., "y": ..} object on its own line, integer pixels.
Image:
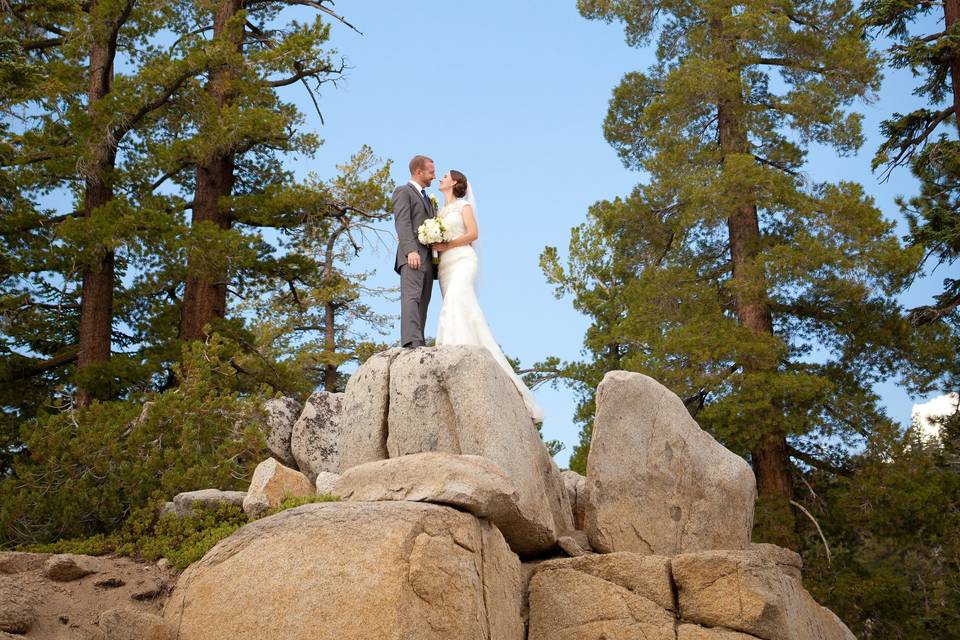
[{"x": 461, "y": 319}]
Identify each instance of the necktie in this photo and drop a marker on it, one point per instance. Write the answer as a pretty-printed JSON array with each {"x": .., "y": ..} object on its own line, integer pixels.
[{"x": 426, "y": 200}]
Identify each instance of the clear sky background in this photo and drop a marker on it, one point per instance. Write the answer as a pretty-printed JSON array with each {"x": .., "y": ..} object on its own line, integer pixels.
[{"x": 513, "y": 94}]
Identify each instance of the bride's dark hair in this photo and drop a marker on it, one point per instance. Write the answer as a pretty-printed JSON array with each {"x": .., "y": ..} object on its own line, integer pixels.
[{"x": 459, "y": 183}]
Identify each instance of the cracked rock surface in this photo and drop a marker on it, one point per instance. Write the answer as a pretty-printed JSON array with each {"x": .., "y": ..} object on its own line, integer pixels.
[
  {"x": 712, "y": 595},
  {"x": 316, "y": 435},
  {"x": 473, "y": 484},
  {"x": 456, "y": 400},
  {"x": 366, "y": 403},
  {"x": 354, "y": 570},
  {"x": 750, "y": 591},
  {"x": 656, "y": 482}
]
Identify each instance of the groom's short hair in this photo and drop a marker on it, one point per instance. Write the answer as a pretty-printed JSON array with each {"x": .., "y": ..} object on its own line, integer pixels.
[{"x": 418, "y": 163}]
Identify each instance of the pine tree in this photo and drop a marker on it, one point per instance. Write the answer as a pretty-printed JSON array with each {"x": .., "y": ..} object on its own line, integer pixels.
[
  {"x": 181, "y": 101},
  {"x": 763, "y": 299},
  {"x": 77, "y": 115},
  {"x": 241, "y": 126},
  {"x": 311, "y": 313},
  {"x": 912, "y": 138}
]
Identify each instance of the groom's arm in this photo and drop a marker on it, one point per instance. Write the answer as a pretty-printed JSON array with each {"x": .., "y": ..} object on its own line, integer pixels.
[{"x": 402, "y": 220}]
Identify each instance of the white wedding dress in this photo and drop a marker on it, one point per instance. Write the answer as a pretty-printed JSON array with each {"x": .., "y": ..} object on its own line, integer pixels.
[{"x": 461, "y": 319}]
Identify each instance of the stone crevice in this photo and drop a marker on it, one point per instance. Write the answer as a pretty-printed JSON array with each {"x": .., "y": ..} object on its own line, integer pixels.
[
  {"x": 674, "y": 591},
  {"x": 483, "y": 577},
  {"x": 385, "y": 418},
  {"x": 649, "y": 547}
]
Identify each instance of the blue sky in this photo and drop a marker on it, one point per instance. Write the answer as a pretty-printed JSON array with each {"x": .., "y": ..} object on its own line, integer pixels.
[{"x": 514, "y": 95}]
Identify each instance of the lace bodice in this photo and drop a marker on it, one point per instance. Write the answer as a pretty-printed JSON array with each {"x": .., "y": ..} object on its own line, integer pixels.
[{"x": 452, "y": 216}]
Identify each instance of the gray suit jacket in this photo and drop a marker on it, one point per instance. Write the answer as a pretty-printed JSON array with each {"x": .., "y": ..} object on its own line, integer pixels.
[{"x": 409, "y": 212}]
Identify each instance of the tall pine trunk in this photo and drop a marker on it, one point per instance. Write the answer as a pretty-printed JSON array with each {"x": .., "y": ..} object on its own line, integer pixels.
[
  {"x": 951, "y": 14},
  {"x": 331, "y": 375},
  {"x": 771, "y": 460},
  {"x": 96, "y": 294},
  {"x": 205, "y": 292}
]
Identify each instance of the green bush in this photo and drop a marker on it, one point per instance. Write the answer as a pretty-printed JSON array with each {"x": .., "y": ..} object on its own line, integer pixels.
[
  {"x": 182, "y": 541},
  {"x": 90, "y": 470}
]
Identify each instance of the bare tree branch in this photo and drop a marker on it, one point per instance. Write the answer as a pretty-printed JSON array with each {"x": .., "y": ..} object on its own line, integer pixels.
[
  {"x": 302, "y": 73},
  {"x": 195, "y": 32},
  {"x": 817, "y": 525},
  {"x": 298, "y": 66},
  {"x": 319, "y": 6},
  {"x": 787, "y": 62},
  {"x": 928, "y": 314},
  {"x": 775, "y": 165},
  {"x": 169, "y": 174}
]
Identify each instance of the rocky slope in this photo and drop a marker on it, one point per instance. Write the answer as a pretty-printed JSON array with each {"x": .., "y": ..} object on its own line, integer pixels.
[{"x": 454, "y": 522}]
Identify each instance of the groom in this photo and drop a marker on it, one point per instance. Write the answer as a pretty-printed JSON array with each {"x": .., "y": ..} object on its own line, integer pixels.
[{"x": 411, "y": 207}]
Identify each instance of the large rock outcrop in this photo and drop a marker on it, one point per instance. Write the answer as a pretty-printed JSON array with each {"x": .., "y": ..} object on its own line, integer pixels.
[
  {"x": 445, "y": 480},
  {"x": 656, "y": 482},
  {"x": 454, "y": 399},
  {"x": 357, "y": 570},
  {"x": 316, "y": 436},
  {"x": 470, "y": 483}
]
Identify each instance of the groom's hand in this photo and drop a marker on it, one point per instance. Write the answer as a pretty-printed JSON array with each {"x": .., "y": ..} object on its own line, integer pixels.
[{"x": 413, "y": 260}]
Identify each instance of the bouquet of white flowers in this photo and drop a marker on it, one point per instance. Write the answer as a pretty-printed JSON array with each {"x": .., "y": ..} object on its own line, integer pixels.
[{"x": 432, "y": 231}]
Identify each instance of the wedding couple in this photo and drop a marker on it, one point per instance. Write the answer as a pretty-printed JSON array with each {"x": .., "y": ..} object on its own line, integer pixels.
[{"x": 461, "y": 319}]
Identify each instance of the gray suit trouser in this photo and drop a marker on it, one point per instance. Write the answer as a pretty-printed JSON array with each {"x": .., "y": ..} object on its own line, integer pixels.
[{"x": 416, "y": 285}]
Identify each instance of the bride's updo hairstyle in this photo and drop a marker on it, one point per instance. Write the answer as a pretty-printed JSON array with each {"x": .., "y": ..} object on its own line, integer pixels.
[{"x": 459, "y": 183}]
